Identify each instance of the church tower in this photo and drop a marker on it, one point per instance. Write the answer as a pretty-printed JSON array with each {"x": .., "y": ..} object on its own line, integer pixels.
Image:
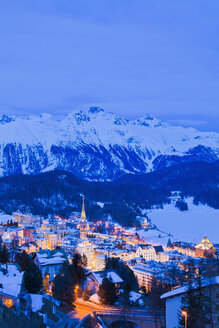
[{"x": 83, "y": 214}]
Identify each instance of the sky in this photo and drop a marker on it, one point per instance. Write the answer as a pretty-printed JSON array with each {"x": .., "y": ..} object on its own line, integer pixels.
[{"x": 130, "y": 57}]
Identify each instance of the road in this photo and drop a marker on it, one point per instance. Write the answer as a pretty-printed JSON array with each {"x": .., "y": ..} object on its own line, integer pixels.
[
  {"x": 110, "y": 313},
  {"x": 83, "y": 308}
]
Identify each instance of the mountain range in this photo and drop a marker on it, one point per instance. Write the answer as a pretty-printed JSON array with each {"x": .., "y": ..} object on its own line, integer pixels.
[{"x": 99, "y": 146}]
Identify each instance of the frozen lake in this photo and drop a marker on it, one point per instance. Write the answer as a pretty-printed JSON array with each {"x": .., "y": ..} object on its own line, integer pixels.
[{"x": 191, "y": 225}]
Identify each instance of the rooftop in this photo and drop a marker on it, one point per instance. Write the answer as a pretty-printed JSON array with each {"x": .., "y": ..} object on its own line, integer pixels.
[
  {"x": 11, "y": 282},
  {"x": 182, "y": 290}
]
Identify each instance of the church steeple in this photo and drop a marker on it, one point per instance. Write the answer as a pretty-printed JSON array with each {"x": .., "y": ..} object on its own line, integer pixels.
[{"x": 83, "y": 214}]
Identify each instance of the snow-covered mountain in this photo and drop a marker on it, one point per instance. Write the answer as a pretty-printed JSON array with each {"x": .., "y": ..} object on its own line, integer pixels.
[{"x": 97, "y": 145}]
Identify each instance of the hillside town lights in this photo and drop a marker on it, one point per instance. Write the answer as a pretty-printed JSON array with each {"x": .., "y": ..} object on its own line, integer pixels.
[{"x": 186, "y": 316}]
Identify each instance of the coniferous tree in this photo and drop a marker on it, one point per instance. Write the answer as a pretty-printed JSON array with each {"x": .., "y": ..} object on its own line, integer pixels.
[
  {"x": 156, "y": 304},
  {"x": 4, "y": 255},
  {"x": 77, "y": 271},
  {"x": 125, "y": 302},
  {"x": 195, "y": 303},
  {"x": 123, "y": 271},
  {"x": 64, "y": 284},
  {"x": 23, "y": 260},
  {"x": 33, "y": 278},
  {"x": 76, "y": 261},
  {"x": 58, "y": 287},
  {"x": 107, "y": 292}
]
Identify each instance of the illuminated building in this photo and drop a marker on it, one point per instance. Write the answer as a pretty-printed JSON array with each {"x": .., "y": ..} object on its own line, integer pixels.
[
  {"x": 86, "y": 248},
  {"x": 83, "y": 225},
  {"x": 205, "y": 249},
  {"x": 30, "y": 247},
  {"x": 11, "y": 285},
  {"x": 52, "y": 240},
  {"x": 150, "y": 252},
  {"x": 83, "y": 214}
]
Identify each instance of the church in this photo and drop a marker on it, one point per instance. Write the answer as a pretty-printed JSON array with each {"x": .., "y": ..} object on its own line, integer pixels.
[{"x": 83, "y": 225}]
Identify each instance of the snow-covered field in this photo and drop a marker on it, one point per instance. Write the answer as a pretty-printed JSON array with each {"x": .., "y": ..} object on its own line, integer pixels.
[{"x": 189, "y": 225}]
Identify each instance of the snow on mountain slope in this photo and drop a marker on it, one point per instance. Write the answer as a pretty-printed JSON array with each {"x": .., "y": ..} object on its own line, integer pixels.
[{"x": 98, "y": 145}]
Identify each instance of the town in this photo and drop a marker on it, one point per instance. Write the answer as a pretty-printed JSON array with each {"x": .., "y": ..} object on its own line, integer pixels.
[{"x": 70, "y": 272}]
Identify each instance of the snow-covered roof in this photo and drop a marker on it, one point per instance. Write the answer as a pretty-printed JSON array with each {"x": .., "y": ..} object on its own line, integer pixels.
[
  {"x": 52, "y": 260},
  {"x": 51, "y": 257},
  {"x": 182, "y": 290},
  {"x": 94, "y": 298},
  {"x": 37, "y": 302},
  {"x": 11, "y": 282},
  {"x": 110, "y": 274},
  {"x": 134, "y": 296}
]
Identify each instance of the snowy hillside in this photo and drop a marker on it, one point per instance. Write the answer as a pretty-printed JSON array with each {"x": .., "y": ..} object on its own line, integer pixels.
[
  {"x": 97, "y": 145},
  {"x": 191, "y": 225}
]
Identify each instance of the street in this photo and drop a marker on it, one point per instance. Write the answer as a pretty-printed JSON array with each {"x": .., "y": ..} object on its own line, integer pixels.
[{"x": 142, "y": 318}]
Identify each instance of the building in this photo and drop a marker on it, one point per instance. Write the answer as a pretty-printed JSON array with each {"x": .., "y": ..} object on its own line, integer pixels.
[
  {"x": 152, "y": 253},
  {"x": 52, "y": 240},
  {"x": 26, "y": 218},
  {"x": 144, "y": 275},
  {"x": 11, "y": 285},
  {"x": 42, "y": 242},
  {"x": 51, "y": 262},
  {"x": 94, "y": 280},
  {"x": 83, "y": 224},
  {"x": 122, "y": 254},
  {"x": 174, "y": 298},
  {"x": 86, "y": 248},
  {"x": 100, "y": 262},
  {"x": 184, "y": 248},
  {"x": 205, "y": 249},
  {"x": 29, "y": 247},
  {"x": 83, "y": 214}
]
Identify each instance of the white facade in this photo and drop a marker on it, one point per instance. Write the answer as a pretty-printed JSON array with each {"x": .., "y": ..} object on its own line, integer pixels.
[
  {"x": 172, "y": 319},
  {"x": 152, "y": 253},
  {"x": 100, "y": 262},
  {"x": 87, "y": 249}
]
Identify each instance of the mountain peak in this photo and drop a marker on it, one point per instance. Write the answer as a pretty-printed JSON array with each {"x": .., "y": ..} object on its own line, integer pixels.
[
  {"x": 6, "y": 119},
  {"x": 148, "y": 120},
  {"x": 94, "y": 110}
]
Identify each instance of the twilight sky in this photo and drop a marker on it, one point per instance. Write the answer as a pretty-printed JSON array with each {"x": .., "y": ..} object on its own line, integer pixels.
[{"x": 127, "y": 56}]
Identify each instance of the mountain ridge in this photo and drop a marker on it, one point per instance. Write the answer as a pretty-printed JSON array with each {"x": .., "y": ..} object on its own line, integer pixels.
[{"x": 97, "y": 145}]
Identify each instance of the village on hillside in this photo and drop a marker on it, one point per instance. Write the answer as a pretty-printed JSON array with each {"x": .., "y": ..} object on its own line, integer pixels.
[{"x": 70, "y": 272}]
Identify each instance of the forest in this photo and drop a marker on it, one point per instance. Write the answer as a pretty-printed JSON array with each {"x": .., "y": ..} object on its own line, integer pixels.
[{"x": 59, "y": 192}]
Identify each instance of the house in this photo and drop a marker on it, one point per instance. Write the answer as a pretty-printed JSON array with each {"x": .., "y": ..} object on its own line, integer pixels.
[
  {"x": 124, "y": 255},
  {"x": 135, "y": 260},
  {"x": 173, "y": 302},
  {"x": 51, "y": 262},
  {"x": 150, "y": 252},
  {"x": 11, "y": 285},
  {"x": 29, "y": 247},
  {"x": 94, "y": 280}
]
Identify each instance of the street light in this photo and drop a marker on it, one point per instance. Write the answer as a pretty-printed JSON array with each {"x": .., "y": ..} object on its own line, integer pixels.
[{"x": 186, "y": 317}]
